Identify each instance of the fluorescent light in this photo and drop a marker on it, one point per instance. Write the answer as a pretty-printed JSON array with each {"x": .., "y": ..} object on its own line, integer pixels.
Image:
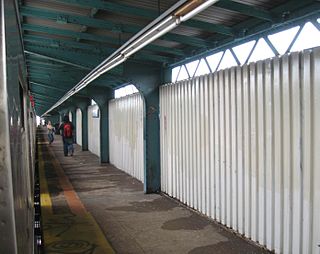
[
  {"x": 154, "y": 37},
  {"x": 153, "y": 29},
  {"x": 96, "y": 75},
  {"x": 198, "y": 9}
]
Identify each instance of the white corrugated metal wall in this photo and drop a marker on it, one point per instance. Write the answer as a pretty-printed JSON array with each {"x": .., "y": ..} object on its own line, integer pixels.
[
  {"x": 93, "y": 130},
  {"x": 126, "y": 126},
  {"x": 70, "y": 116},
  {"x": 243, "y": 147},
  {"x": 79, "y": 126}
]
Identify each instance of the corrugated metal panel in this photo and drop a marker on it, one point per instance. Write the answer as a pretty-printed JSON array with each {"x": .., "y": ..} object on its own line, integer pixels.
[
  {"x": 70, "y": 116},
  {"x": 93, "y": 131},
  {"x": 242, "y": 146},
  {"x": 79, "y": 127},
  {"x": 126, "y": 134}
]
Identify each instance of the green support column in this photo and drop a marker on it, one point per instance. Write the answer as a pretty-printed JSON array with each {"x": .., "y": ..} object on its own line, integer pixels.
[
  {"x": 104, "y": 133},
  {"x": 102, "y": 96},
  {"x": 147, "y": 79},
  {"x": 84, "y": 113},
  {"x": 166, "y": 76},
  {"x": 152, "y": 142}
]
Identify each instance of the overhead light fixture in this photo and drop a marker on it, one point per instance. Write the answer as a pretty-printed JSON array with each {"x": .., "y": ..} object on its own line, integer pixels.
[
  {"x": 181, "y": 14},
  {"x": 204, "y": 5},
  {"x": 189, "y": 6},
  {"x": 148, "y": 34},
  {"x": 103, "y": 70},
  {"x": 158, "y": 33}
]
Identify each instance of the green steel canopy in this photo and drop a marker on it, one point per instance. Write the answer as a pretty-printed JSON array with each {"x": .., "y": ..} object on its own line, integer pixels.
[{"x": 65, "y": 39}]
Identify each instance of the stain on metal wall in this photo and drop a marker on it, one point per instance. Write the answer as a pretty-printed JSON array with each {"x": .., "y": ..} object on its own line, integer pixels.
[
  {"x": 242, "y": 146},
  {"x": 126, "y": 126},
  {"x": 94, "y": 129},
  {"x": 79, "y": 127}
]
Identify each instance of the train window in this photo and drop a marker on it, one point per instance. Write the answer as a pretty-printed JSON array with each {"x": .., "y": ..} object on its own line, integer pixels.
[{"x": 21, "y": 121}]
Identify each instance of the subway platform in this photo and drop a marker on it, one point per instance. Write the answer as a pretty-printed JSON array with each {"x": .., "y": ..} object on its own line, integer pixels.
[{"x": 88, "y": 208}]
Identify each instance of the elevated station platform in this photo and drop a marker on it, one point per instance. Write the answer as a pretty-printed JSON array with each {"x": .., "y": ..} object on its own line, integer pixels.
[{"x": 93, "y": 208}]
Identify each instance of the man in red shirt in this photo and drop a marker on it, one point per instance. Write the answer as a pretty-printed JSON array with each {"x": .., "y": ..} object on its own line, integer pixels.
[{"x": 67, "y": 136}]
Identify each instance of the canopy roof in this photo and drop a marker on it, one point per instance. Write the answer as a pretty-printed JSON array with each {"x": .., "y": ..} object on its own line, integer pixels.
[{"x": 65, "y": 39}]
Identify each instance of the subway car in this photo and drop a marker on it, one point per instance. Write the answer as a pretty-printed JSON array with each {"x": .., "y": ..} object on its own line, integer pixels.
[{"x": 17, "y": 143}]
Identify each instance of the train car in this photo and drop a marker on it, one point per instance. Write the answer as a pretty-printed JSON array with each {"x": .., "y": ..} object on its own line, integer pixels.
[{"x": 17, "y": 140}]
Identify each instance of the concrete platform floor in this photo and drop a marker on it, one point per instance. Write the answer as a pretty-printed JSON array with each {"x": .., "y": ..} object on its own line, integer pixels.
[{"x": 132, "y": 221}]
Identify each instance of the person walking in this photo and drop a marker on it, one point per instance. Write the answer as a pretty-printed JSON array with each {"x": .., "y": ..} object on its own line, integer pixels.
[
  {"x": 67, "y": 136},
  {"x": 50, "y": 129}
]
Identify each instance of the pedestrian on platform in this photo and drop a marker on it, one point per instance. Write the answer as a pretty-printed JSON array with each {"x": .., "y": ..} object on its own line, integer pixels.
[
  {"x": 67, "y": 136},
  {"x": 50, "y": 129}
]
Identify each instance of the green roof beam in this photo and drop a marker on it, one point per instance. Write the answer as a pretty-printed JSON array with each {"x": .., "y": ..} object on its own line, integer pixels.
[
  {"x": 146, "y": 13},
  {"x": 99, "y": 48},
  {"x": 46, "y": 86},
  {"x": 52, "y": 96},
  {"x": 42, "y": 102},
  {"x": 54, "y": 58},
  {"x": 69, "y": 33},
  {"x": 74, "y": 58},
  {"x": 66, "y": 43},
  {"x": 92, "y": 50},
  {"x": 65, "y": 72},
  {"x": 39, "y": 75},
  {"x": 44, "y": 97},
  {"x": 53, "y": 75},
  {"x": 70, "y": 74},
  {"x": 95, "y": 38},
  {"x": 45, "y": 67},
  {"x": 104, "y": 24},
  {"x": 31, "y": 59},
  {"x": 48, "y": 78},
  {"x": 84, "y": 28}
]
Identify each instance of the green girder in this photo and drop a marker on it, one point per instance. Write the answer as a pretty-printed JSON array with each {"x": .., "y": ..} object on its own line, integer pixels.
[{"x": 104, "y": 24}]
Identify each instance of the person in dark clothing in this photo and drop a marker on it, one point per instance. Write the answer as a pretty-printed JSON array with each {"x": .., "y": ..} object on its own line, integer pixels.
[
  {"x": 67, "y": 136},
  {"x": 56, "y": 128}
]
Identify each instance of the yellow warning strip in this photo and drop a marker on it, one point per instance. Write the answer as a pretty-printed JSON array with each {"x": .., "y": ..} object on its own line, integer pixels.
[
  {"x": 70, "y": 195},
  {"x": 46, "y": 204},
  {"x": 75, "y": 232}
]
